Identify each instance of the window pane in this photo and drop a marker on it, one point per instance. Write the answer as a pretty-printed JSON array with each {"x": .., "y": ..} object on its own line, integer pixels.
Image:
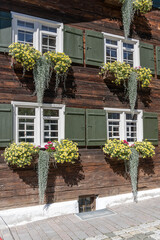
[
  {"x": 29, "y": 25},
  {"x": 49, "y": 29},
  {"x": 50, "y": 113},
  {"x": 25, "y": 37},
  {"x": 113, "y": 42},
  {"x": 128, "y": 57},
  {"x": 26, "y": 125},
  {"x": 29, "y": 37},
  {"x": 128, "y": 45},
  {"x": 114, "y": 115},
  {"x": 111, "y": 54},
  {"x": 25, "y": 24},
  {"x": 21, "y": 36},
  {"x": 48, "y": 43},
  {"x": 50, "y": 128},
  {"x": 131, "y": 130},
  {"x": 129, "y": 117},
  {"x": 26, "y": 111},
  {"x": 21, "y": 23}
]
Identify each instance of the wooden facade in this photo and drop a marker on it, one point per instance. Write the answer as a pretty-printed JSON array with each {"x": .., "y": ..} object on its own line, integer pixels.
[{"x": 94, "y": 175}]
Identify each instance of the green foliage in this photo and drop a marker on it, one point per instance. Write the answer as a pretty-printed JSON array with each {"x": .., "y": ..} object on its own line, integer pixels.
[
  {"x": 127, "y": 15},
  {"x": 132, "y": 90},
  {"x": 43, "y": 167},
  {"x": 122, "y": 72},
  {"x": 133, "y": 170},
  {"x": 66, "y": 151},
  {"x": 42, "y": 66},
  {"x": 20, "y": 154},
  {"x": 145, "y": 149},
  {"x": 24, "y": 54},
  {"x": 42, "y": 74},
  {"x": 121, "y": 150},
  {"x": 117, "y": 149},
  {"x": 144, "y": 76},
  {"x": 128, "y": 9},
  {"x": 61, "y": 64},
  {"x": 143, "y": 6}
]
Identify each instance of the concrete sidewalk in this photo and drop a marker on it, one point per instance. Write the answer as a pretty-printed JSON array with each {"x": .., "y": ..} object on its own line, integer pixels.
[{"x": 130, "y": 221}]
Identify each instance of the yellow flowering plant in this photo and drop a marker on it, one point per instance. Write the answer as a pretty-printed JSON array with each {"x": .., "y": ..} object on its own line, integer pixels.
[
  {"x": 117, "y": 149},
  {"x": 121, "y": 150},
  {"x": 122, "y": 72},
  {"x": 143, "y": 6},
  {"x": 144, "y": 76},
  {"x": 66, "y": 151},
  {"x": 20, "y": 154},
  {"x": 145, "y": 149},
  {"x": 61, "y": 61},
  {"x": 24, "y": 54}
]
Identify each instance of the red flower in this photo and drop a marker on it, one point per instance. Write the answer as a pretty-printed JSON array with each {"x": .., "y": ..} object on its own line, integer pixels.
[
  {"x": 125, "y": 142},
  {"x": 53, "y": 148},
  {"x": 49, "y": 142}
]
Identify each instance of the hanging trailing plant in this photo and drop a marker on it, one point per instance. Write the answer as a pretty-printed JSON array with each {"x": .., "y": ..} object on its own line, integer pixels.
[
  {"x": 125, "y": 74},
  {"x": 24, "y": 54},
  {"x": 61, "y": 64},
  {"x": 128, "y": 10},
  {"x": 42, "y": 66},
  {"x": 133, "y": 171},
  {"x": 120, "y": 150},
  {"x": 42, "y": 73},
  {"x": 127, "y": 15},
  {"x": 43, "y": 167},
  {"x": 132, "y": 90}
]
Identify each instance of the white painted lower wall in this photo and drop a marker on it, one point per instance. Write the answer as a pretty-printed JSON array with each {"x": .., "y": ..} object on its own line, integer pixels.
[{"x": 18, "y": 216}]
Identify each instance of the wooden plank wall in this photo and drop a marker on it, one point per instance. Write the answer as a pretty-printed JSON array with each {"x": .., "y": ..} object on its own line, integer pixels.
[{"x": 85, "y": 89}]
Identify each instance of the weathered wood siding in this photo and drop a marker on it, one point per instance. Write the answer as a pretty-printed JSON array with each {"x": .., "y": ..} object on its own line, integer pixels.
[{"x": 85, "y": 89}]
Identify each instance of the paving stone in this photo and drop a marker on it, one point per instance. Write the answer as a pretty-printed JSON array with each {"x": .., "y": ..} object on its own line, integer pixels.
[{"x": 110, "y": 235}]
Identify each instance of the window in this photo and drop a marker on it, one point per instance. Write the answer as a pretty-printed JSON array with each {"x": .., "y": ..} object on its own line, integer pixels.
[
  {"x": 122, "y": 125},
  {"x": 86, "y": 203},
  {"x": 119, "y": 49},
  {"x": 38, "y": 124},
  {"x": 44, "y": 35}
]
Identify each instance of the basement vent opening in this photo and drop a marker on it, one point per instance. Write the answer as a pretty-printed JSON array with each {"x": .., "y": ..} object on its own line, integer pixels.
[{"x": 87, "y": 206}]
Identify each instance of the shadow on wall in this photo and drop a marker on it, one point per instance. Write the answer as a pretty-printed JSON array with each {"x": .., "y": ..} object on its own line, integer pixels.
[
  {"x": 27, "y": 83},
  {"x": 146, "y": 166},
  {"x": 144, "y": 95},
  {"x": 71, "y": 174}
]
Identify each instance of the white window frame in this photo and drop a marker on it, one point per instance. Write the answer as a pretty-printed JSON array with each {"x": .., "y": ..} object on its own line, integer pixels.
[
  {"x": 37, "y": 31},
  {"x": 123, "y": 112},
  {"x": 121, "y": 40},
  {"x": 39, "y": 120}
]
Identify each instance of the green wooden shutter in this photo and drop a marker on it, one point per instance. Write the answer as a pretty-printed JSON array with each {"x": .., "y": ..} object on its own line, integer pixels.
[
  {"x": 5, "y": 124},
  {"x": 73, "y": 44},
  {"x": 96, "y": 132},
  {"x": 147, "y": 56},
  {"x": 150, "y": 127},
  {"x": 75, "y": 125},
  {"x": 156, "y": 3},
  {"x": 158, "y": 59},
  {"x": 94, "y": 48},
  {"x": 5, "y": 31}
]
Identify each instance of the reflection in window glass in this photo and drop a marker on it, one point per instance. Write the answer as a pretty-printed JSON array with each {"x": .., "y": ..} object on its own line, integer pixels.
[
  {"x": 25, "y": 37},
  {"x": 114, "y": 125},
  {"x": 25, "y": 24},
  {"x": 48, "y": 43},
  {"x": 49, "y": 29}
]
